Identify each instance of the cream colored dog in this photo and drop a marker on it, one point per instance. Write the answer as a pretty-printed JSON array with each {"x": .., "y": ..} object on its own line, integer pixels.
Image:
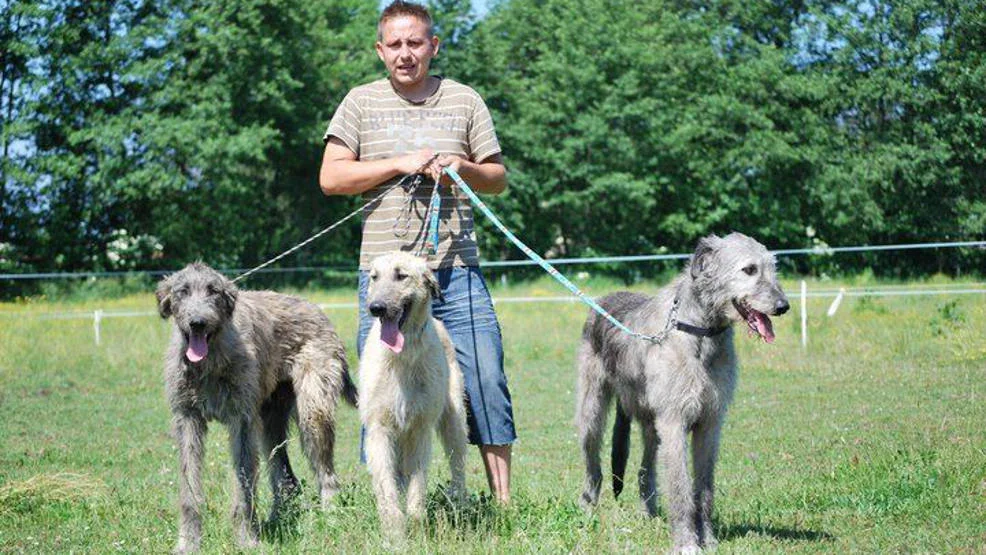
[{"x": 410, "y": 384}]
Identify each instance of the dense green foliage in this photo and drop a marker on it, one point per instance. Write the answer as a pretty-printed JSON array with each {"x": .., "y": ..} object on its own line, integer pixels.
[{"x": 141, "y": 135}]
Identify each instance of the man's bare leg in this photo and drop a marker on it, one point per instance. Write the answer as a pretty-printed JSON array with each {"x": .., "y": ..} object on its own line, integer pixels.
[{"x": 496, "y": 459}]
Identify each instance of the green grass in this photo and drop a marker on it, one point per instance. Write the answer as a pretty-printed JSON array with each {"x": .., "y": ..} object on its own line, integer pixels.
[{"x": 871, "y": 440}]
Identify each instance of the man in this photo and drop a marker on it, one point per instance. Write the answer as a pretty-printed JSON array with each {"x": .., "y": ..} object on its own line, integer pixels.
[{"x": 413, "y": 122}]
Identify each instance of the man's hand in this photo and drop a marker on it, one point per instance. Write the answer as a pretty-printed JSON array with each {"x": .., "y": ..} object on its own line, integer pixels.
[
  {"x": 422, "y": 161},
  {"x": 446, "y": 161}
]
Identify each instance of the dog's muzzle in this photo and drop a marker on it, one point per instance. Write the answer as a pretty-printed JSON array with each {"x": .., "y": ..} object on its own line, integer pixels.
[
  {"x": 758, "y": 322},
  {"x": 198, "y": 341},
  {"x": 391, "y": 322}
]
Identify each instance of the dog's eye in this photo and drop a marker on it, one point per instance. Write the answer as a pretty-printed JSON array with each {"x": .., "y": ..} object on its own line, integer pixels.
[
  {"x": 750, "y": 270},
  {"x": 210, "y": 290},
  {"x": 373, "y": 276},
  {"x": 399, "y": 276},
  {"x": 181, "y": 291}
]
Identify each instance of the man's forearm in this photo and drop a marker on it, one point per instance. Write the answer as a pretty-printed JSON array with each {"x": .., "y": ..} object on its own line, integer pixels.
[
  {"x": 487, "y": 178},
  {"x": 352, "y": 177}
]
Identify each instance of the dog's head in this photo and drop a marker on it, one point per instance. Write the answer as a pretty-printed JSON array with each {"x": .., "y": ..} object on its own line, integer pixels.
[
  {"x": 737, "y": 276},
  {"x": 200, "y": 300},
  {"x": 399, "y": 295}
]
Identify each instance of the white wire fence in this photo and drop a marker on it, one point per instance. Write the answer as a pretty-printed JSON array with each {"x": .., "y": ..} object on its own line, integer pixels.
[
  {"x": 837, "y": 294},
  {"x": 817, "y": 251},
  {"x": 97, "y": 316}
]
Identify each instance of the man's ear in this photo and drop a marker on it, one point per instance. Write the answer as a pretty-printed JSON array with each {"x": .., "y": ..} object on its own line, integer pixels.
[
  {"x": 433, "y": 287},
  {"x": 379, "y": 48},
  {"x": 701, "y": 259},
  {"x": 436, "y": 45},
  {"x": 163, "y": 294}
]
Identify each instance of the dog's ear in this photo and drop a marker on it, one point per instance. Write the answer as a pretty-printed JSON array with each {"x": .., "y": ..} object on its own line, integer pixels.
[
  {"x": 227, "y": 297},
  {"x": 163, "y": 294},
  {"x": 702, "y": 259},
  {"x": 433, "y": 287}
]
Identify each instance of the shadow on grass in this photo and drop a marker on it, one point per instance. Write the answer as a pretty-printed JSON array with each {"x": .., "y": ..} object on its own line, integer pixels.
[
  {"x": 283, "y": 527},
  {"x": 733, "y": 531},
  {"x": 479, "y": 513}
]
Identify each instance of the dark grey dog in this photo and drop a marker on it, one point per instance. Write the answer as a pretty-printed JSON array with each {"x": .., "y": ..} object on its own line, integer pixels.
[
  {"x": 249, "y": 359},
  {"x": 682, "y": 384}
]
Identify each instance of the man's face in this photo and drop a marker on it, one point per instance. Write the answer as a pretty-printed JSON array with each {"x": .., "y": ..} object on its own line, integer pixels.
[{"x": 406, "y": 49}]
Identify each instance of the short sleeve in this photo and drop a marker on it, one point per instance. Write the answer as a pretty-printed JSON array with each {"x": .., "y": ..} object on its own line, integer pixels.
[
  {"x": 345, "y": 123},
  {"x": 482, "y": 136}
]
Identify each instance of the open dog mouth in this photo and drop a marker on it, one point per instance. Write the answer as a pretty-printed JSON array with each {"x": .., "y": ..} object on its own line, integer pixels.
[
  {"x": 758, "y": 322},
  {"x": 198, "y": 345},
  {"x": 390, "y": 329}
]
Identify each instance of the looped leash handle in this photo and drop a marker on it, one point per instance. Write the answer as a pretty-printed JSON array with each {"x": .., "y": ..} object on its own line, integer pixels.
[{"x": 659, "y": 338}]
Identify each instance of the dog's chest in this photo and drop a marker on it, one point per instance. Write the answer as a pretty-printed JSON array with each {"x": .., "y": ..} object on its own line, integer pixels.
[
  {"x": 411, "y": 397},
  {"x": 693, "y": 384},
  {"x": 219, "y": 398}
]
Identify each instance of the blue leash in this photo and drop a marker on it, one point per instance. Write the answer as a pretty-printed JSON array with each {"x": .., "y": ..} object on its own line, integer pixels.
[
  {"x": 659, "y": 338},
  {"x": 434, "y": 211}
]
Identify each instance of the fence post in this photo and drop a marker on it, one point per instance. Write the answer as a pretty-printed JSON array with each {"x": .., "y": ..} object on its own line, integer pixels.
[
  {"x": 835, "y": 304},
  {"x": 97, "y": 317},
  {"x": 804, "y": 314}
]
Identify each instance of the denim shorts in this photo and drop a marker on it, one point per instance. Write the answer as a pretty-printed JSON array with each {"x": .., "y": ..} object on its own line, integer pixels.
[{"x": 467, "y": 313}]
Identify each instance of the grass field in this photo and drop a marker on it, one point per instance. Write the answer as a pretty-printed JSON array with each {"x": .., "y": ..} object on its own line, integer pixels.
[{"x": 870, "y": 440}]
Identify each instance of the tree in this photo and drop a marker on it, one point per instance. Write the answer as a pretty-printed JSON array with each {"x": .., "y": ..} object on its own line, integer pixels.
[
  {"x": 632, "y": 127},
  {"x": 19, "y": 33}
]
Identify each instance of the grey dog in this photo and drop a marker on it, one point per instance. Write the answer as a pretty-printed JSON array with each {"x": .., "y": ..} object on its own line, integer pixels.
[
  {"x": 249, "y": 359},
  {"x": 682, "y": 384}
]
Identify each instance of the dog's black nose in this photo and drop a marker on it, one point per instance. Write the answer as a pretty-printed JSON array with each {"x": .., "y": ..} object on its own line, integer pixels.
[
  {"x": 782, "y": 306},
  {"x": 378, "y": 309}
]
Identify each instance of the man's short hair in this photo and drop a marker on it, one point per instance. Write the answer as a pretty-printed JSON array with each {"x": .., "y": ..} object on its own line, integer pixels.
[{"x": 399, "y": 8}]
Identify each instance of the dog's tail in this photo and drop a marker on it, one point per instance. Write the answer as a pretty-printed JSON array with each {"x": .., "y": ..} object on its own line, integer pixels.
[
  {"x": 349, "y": 392},
  {"x": 621, "y": 448}
]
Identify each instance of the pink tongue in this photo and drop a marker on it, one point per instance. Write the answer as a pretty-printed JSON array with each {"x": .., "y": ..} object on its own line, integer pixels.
[
  {"x": 764, "y": 326},
  {"x": 391, "y": 335},
  {"x": 198, "y": 348}
]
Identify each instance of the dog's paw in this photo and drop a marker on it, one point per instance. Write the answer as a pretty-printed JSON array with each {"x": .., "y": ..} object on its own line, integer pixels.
[
  {"x": 247, "y": 538},
  {"x": 185, "y": 546},
  {"x": 456, "y": 495},
  {"x": 588, "y": 501}
]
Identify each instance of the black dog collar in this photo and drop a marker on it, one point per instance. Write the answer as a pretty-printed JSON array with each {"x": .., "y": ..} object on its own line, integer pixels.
[{"x": 701, "y": 332}]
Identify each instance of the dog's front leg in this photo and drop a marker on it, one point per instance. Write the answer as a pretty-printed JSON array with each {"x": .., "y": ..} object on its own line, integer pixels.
[
  {"x": 243, "y": 447},
  {"x": 452, "y": 430},
  {"x": 382, "y": 462},
  {"x": 189, "y": 431},
  {"x": 673, "y": 455},
  {"x": 417, "y": 455},
  {"x": 705, "y": 449},
  {"x": 647, "y": 475}
]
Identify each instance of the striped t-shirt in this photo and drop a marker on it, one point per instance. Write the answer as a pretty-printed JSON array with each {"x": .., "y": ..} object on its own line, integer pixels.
[{"x": 376, "y": 123}]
